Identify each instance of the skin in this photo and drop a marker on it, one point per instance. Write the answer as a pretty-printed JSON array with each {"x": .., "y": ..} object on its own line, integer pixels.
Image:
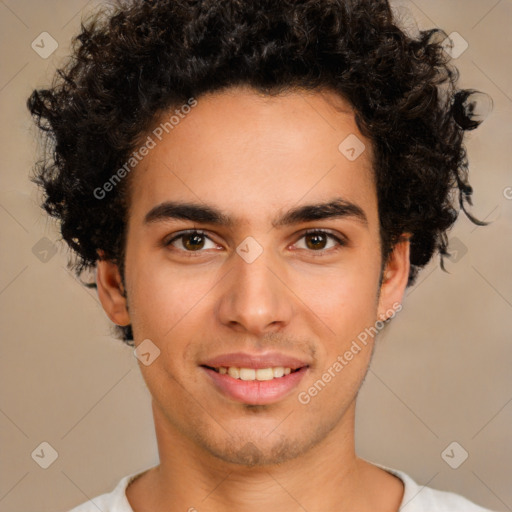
[{"x": 255, "y": 157}]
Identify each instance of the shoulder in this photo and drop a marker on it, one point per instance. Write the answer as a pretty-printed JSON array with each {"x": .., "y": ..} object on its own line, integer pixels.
[
  {"x": 114, "y": 501},
  {"x": 419, "y": 498}
]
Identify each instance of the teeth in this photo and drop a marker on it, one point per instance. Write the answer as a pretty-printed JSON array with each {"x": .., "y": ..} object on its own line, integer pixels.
[
  {"x": 234, "y": 372},
  {"x": 252, "y": 374},
  {"x": 279, "y": 371},
  {"x": 247, "y": 374}
]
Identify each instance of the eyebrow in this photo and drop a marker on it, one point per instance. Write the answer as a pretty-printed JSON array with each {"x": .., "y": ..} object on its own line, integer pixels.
[{"x": 205, "y": 214}]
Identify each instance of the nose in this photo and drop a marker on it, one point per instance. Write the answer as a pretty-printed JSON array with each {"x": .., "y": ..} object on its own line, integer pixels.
[{"x": 254, "y": 296}]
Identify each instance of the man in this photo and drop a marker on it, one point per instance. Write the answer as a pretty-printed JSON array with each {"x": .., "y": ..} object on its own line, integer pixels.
[{"x": 256, "y": 183}]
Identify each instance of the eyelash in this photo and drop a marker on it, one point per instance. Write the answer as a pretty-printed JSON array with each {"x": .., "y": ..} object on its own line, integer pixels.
[{"x": 320, "y": 253}]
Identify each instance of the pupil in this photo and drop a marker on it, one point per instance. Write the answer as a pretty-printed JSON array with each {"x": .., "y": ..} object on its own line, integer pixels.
[
  {"x": 318, "y": 237},
  {"x": 196, "y": 243}
]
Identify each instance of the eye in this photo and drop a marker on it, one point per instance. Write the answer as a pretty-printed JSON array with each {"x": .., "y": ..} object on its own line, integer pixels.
[
  {"x": 190, "y": 241},
  {"x": 317, "y": 240}
]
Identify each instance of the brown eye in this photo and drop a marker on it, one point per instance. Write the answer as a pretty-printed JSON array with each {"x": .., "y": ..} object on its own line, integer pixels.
[
  {"x": 318, "y": 241},
  {"x": 193, "y": 242},
  {"x": 190, "y": 241}
]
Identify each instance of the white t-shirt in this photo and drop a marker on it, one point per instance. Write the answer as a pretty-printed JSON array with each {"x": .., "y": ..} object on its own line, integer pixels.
[{"x": 416, "y": 498}]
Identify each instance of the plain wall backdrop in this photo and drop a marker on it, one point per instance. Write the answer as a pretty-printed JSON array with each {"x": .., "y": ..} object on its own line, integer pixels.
[{"x": 442, "y": 371}]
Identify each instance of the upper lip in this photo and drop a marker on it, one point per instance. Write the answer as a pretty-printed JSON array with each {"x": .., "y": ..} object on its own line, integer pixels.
[{"x": 247, "y": 360}]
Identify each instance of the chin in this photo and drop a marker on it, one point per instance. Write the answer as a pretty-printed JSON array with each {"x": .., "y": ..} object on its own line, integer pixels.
[{"x": 253, "y": 447}]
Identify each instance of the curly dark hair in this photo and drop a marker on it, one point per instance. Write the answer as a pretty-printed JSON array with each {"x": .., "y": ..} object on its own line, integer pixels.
[{"x": 131, "y": 65}]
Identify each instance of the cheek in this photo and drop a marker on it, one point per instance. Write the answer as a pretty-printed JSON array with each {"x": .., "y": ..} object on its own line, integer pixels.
[
  {"x": 163, "y": 296},
  {"x": 344, "y": 297},
  {"x": 347, "y": 307}
]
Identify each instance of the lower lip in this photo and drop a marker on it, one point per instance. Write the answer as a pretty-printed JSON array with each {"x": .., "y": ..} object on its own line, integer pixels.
[{"x": 256, "y": 392}]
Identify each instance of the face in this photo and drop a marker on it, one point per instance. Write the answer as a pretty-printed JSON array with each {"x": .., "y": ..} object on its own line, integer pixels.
[{"x": 247, "y": 277}]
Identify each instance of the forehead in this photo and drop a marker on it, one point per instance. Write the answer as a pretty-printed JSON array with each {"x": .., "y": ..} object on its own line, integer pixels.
[{"x": 252, "y": 155}]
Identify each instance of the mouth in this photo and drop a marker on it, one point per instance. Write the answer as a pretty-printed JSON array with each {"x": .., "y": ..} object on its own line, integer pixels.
[
  {"x": 251, "y": 374},
  {"x": 255, "y": 386}
]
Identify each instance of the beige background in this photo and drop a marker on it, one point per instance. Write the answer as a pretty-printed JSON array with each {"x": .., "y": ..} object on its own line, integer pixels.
[{"x": 442, "y": 372}]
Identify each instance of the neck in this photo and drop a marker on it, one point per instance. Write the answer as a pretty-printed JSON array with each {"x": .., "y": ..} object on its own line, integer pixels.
[{"x": 328, "y": 476}]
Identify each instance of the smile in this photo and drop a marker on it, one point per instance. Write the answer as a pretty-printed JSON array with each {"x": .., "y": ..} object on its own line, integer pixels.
[
  {"x": 254, "y": 373},
  {"x": 255, "y": 386}
]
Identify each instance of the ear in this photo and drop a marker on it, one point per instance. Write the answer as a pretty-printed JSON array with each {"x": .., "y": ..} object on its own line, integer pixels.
[
  {"x": 395, "y": 277},
  {"x": 111, "y": 292}
]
